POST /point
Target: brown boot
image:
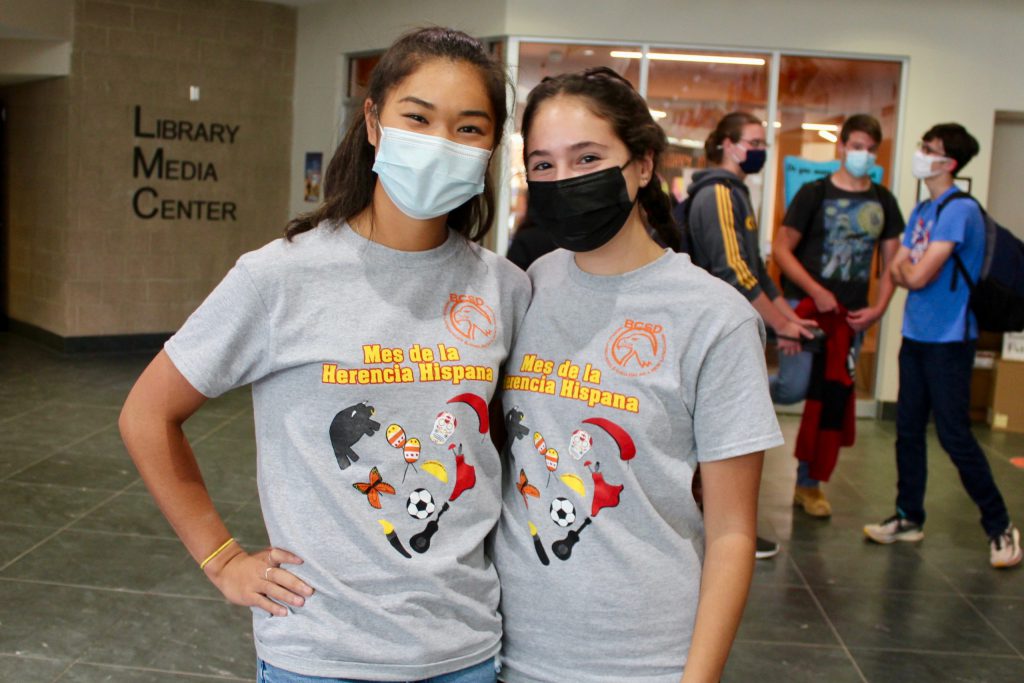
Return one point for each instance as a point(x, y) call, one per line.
point(812, 499)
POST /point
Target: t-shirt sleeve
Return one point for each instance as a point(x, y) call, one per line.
point(713, 225)
point(733, 413)
point(894, 224)
point(801, 210)
point(225, 343)
point(953, 221)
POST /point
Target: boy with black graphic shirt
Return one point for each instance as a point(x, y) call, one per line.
point(825, 248)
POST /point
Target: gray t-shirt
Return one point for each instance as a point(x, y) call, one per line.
point(616, 388)
point(371, 371)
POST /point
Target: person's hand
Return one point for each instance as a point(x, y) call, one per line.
point(790, 336)
point(825, 301)
point(863, 318)
point(258, 580)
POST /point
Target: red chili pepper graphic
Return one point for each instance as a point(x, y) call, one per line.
point(627, 449)
point(465, 475)
point(605, 495)
point(478, 405)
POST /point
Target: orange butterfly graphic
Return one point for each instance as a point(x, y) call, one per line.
point(526, 488)
point(373, 488)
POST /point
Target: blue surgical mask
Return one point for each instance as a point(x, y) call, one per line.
point(859, 162)
point(427, 176)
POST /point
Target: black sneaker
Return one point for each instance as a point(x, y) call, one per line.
point(766, 549)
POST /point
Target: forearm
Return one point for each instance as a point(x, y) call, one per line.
point(795, 271)
point(725, 583)
point(162, 454)
point(787, 312)
point(769, 311)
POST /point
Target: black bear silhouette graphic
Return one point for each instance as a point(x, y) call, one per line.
point(347, 427)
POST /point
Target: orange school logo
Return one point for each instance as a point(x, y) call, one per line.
point(637, 348)
point(470, 320)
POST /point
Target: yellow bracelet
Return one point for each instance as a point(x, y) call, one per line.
point(215, 553)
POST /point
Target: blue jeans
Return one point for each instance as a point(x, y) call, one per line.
point(790, 386)
point(936, 379)
point(484, 672)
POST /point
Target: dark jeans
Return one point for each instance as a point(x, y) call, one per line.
point(936, 379)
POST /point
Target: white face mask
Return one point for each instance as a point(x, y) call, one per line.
point(921, 166)
point(427, 176)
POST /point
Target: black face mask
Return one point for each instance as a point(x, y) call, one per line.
point(581, 213)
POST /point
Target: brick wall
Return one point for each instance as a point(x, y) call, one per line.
point(93, 250)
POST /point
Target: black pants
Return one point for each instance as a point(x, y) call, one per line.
point(936, 378)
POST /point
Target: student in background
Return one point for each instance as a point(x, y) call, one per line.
point(830, 234)
point(937, 355)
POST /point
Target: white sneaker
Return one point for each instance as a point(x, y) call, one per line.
point(894, 529)
point(1005, 549)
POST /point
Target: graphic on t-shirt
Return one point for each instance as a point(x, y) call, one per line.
point(347, 427)
point(421, 541)
point(514, 431)
point(636, 348)
point(479, 406)
point(580, 443)
point(465, 474)
point(444, 427)
point(420, 504)
point(563, 512)
point(851, 228)
point(539, 545)
point(470, 320)
point(622, 439)
point(563, 549)
point(605, 495)
point(525, 488)
point(919, 240)
point(539, 443)
point(411, 453)
point(582, 381)
point(574, 482)
point(373, 488)
point(435, 469)
point(395, 435)
point(551, 462)
point(392, 536)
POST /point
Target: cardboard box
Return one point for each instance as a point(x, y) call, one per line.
point(1013, 346)
point(1008, 397)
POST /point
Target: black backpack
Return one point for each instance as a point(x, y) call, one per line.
point(681, 213)
point(997, 298)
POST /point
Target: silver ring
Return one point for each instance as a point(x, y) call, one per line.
point(266, 573)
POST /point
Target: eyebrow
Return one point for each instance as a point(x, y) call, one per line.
point(427, 105)
point(572, 148)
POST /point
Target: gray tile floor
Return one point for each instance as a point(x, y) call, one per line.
point(95, 587)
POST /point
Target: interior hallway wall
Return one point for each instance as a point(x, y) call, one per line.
point(960, 60)
point(93, 157)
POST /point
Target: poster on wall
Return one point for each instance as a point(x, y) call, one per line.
point(314, 162)
point(798, 171)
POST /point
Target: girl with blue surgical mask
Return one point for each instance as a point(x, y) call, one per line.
point(372, 335)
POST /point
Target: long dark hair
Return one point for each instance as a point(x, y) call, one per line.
point(349, 181)
point(613, 98)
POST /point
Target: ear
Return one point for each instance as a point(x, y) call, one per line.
point(953, 165)
point(646, 167)
point(372, 132)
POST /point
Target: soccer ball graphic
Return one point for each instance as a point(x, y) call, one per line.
point(562, 512)
point(421, 504)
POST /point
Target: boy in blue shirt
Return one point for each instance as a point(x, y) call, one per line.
point(939, 336)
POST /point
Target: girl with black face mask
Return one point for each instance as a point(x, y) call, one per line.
point(631, 367)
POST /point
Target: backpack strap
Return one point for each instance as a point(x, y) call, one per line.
point(960, 269)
